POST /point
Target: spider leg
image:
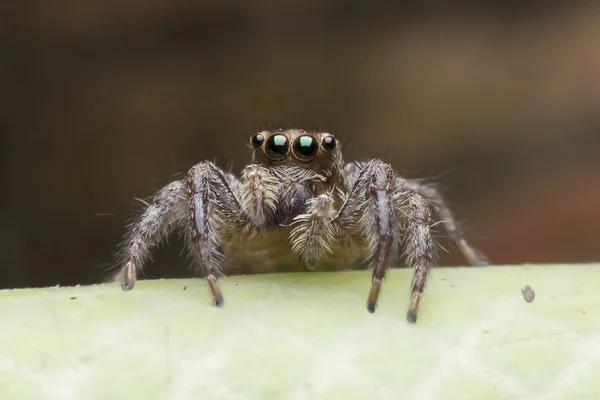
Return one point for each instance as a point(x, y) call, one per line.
point(381, 223)
point(388, 214)
point(474, 257)
point(440, 208)
point(370, 210)
point(165, 212)
point(215, 212)
point(418, 244)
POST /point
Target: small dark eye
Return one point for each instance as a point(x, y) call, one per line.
point(328, 143)
point(277, 147)
point(305, 147)
point(257, 140)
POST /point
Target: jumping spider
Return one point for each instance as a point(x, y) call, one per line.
point(299, 204)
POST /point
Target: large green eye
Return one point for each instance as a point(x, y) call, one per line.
point(305, 147)
point(277, 147)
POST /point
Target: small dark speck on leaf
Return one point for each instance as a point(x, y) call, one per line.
point(528, 293)
point(443, 279)
point(451, 285)
point(73, 297)
point(185, 287)
point(236, 284)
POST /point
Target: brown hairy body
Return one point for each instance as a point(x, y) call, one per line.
point(298, 206)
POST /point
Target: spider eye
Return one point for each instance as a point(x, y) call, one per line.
point(277, 147)
point(257, 140)
point(305, 147)
point(328, 143)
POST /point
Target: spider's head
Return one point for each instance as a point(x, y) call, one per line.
point(319, 150)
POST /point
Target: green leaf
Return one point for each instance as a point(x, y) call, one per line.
point(309, 336)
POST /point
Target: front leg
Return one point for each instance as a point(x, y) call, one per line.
point(215, 212)
point(388, 214)
point(379, 222)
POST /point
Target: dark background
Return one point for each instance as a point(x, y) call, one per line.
point(104, 101)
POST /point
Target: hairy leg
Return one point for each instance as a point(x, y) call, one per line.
point(443, 213)
point(390, 214)
point(215, 212)
point(419, 247)
point(440, 209)
point(382, 224)
point(164, 213)
point(370, 210)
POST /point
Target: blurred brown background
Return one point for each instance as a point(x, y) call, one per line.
point(104, 101)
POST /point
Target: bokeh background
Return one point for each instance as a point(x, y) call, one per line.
point(105, 101)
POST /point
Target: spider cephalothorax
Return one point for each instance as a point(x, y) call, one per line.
point(297, 206)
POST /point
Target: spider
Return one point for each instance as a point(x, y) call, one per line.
point(297, 204)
